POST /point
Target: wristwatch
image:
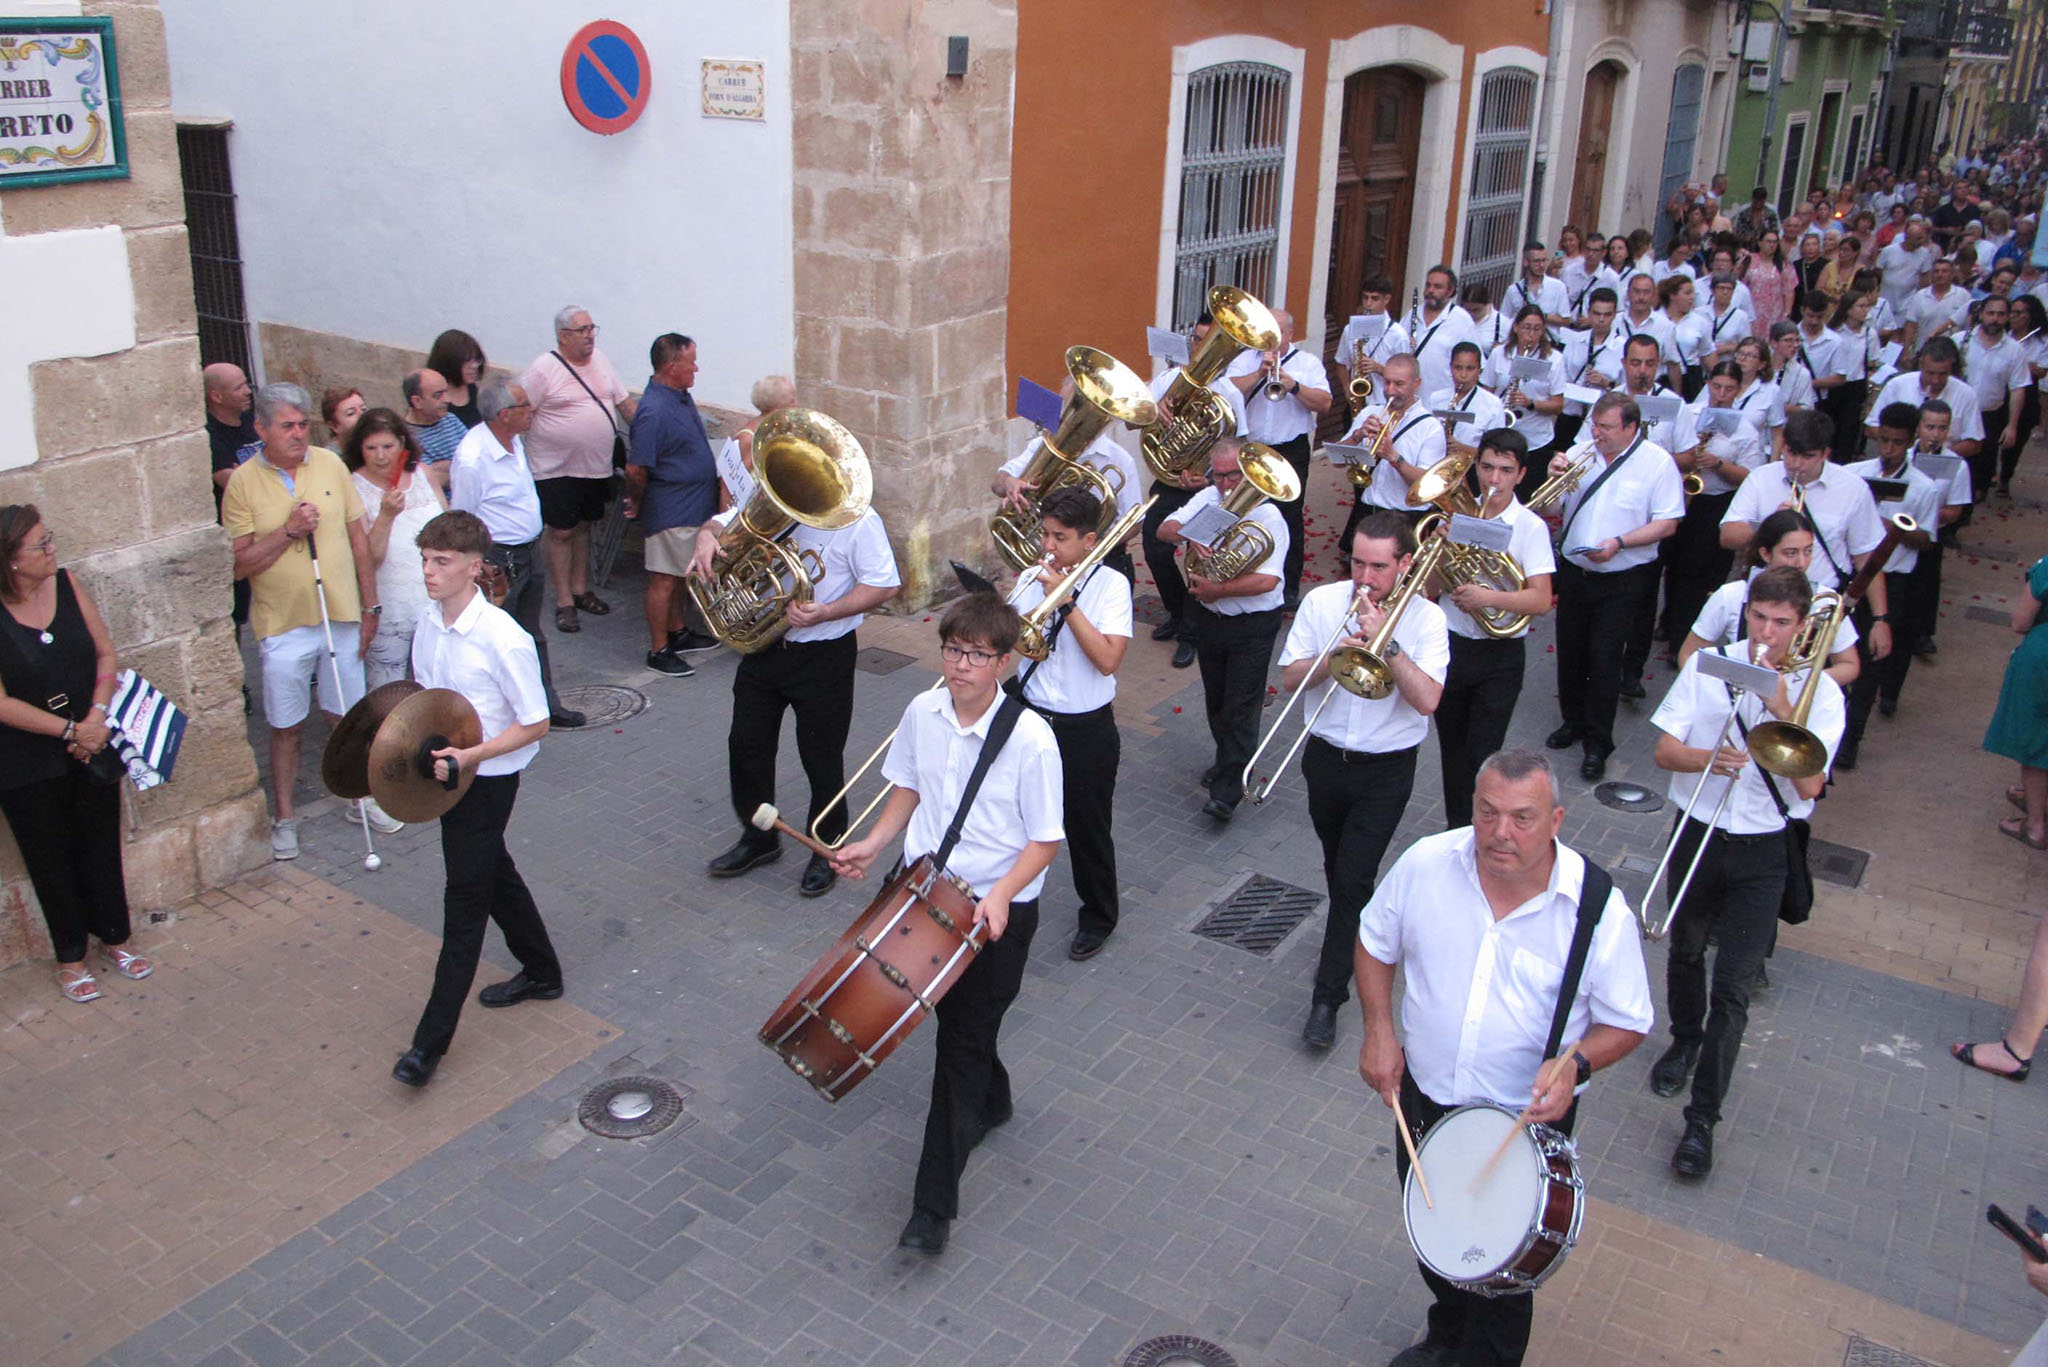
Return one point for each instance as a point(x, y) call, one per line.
point(375, 609)
point(1585, 1067)
point(1393, 651)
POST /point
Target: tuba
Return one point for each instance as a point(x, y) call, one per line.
point(1267, 475)
point(807, 470)
point(1105, 390)
point(1172, 447)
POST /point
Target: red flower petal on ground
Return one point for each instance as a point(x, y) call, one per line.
point(1176, 711)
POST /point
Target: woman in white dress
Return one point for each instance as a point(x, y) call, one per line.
point(397, 502)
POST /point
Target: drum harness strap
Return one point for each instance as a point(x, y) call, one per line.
point(1593, 894)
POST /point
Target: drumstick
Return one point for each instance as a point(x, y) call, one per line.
point(1485, 1173)
point(766, 818)
point(1408, 1143)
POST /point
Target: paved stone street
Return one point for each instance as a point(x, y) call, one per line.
point(1178, 1164)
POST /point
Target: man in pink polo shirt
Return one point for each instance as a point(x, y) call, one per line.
point(580, 413)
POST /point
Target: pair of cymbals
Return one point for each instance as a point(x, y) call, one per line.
point(384, 749)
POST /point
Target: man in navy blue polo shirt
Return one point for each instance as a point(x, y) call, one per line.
point(672, 479)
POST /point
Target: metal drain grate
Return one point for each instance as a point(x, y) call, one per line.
point(1178, 1350)
point(1978, 612)
point(1863, 1353)
point(875, 660)
point(1832, 863)
point(603, 704)
point(1259, 915)
point(629, 1107)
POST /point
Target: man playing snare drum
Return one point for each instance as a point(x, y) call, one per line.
point(1482, 919)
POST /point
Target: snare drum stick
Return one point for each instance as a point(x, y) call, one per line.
point(1414, 1159)
point(766, 818)
point(1485, 1173)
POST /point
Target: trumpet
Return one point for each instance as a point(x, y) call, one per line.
point(1267, 475)
point(1034, 641)
point(1276, 388)
point(1172, 446)
point(1361, 386)
point(1361, 474)
point(1105, 391)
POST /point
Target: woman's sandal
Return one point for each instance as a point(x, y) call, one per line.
point(128, 965)
point(78, 984)
point(2016, 827)
point(1966, 1054)
point(2017, 797)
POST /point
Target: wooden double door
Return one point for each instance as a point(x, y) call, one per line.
point(1378, 144)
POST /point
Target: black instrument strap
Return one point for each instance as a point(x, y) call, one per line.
point(1564, 533)
point(1593, 895)
point(1007, 712)
point(1770, 783)
point(1593, 351)
point(603, 407)
point(1424, 343)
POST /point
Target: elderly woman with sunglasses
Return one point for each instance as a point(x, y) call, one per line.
point(56, 676)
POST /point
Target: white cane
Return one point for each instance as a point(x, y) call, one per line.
point(371, 860)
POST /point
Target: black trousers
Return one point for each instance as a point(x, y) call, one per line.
point(1640, 631)
point(1120, 561)
point(1296, 452)
point(483, 886)
point(1884, 678)
point(814, 679)
point(1234, 654)
point(1090, 748)
point(526, 597)
point(1472, 717)
point(1355, 801)
point(1163, 560)
point(1475, 1330)
point(1844, 404)
point(970, 1086)
point(1984, 464)
point(69, 831)
point(1733, 901)
point(1595, 613)
point(1925, 587)
point(1694, 564)
point(2030, 418)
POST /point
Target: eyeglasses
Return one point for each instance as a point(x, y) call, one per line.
point(46, 544)
point(587, 330)
point(980, 659)
point(1218, 476)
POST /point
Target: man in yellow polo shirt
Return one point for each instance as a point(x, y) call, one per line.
point(274, 502)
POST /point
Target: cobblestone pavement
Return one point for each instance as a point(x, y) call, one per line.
point(1178, 1163)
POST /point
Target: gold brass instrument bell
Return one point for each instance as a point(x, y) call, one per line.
point(1787, 748)
point(1443, 485)
point(1105, 391)
point(1267, 475)
point(1360, 387)
point(1034, 640)
point(1173, 446)
point(808, 470)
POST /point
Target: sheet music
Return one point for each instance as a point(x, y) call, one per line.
point(1583, 393)
point(1167, 346)
point(1208, 526)
point(1659, 407)
point(1368, 330)
point(1739, 673)
point(1459, 416)
point(1529, 367)
point(1487, 533)
point(1726, 422)
point(1340, 454)
point(733, 473)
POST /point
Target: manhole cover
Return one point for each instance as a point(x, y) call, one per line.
point(1863, 1353)
point(1259, 915)
point(1832, 863)
point(1978, 612)
point(1628, 797)
point(629, 1107)
point(1178, 1350)
point(875, 660)
point(603, 704)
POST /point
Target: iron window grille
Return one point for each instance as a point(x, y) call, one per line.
point(1233, 160)
point(1500, 169)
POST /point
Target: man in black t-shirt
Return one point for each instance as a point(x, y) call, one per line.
point(1952, 213)
point(228, 430)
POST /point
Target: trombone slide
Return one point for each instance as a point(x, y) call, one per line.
point(1662, 926)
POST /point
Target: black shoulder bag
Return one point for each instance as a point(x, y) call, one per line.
point(1797, 903)
point(618, 437)
point(1593, 896)
point(999, 729)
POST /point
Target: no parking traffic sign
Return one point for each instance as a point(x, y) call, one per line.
point(605, 77)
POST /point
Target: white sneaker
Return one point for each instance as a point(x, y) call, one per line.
point(284, 838)
point(380, 820)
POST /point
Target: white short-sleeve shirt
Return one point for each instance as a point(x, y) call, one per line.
point(1116, 465)
point(1822, 355)
point(1657, 325)
point(487, 479)
point(489, 659)
point(1549, 295)
point(1390, 343)
point(933, 756)
point(1647, 488)
point(1731, 326)
point(1721, 623)
point(1274, 421)
point(1929, 312)
point(1922, 503)
point(1583, 356)
point(1839, 505)
point(1418, 438)
point(859, 554)
point(1529, 544)
point(1965, 423)
point(1995, 371)
point(1275, 564)
point(1373, 725)
point(1748, 447)
point(1695, 710)
point(1691, 338)
point(1432, 343)
point(1537, 428)
point(1487, 413)
point(1068, 681)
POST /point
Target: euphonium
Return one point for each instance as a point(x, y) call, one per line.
point(1172, 447)
point(1787, 748)
point(1361, 386)
point(1267, 475)
point(809, 470)
point(1034, 640)
point(1105, 390)
point(1443, 484)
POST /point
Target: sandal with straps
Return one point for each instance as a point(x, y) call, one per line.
point(2017, 797)
point(78, 984)
point(1966, 1054)
point(128, 965)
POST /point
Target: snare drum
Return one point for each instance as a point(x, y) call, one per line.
point(1504, 1235)
point(884, 975)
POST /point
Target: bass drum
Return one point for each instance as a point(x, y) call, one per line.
point(1500, 1226)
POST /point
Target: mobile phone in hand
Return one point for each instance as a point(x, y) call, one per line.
point(2011, 1229)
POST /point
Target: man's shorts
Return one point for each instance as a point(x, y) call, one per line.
point(669, 551)
point(567, 501)
point(290, 663)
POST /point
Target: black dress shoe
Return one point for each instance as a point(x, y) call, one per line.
point(567, 719)
point(1321, 1030)
point(1633, 688)
point(1845, 753)
point(516, 989)
point(1087, 944)
point(1593, 767)
point(1563, 738)
point(1183, 654)
point(924, 1233)
point(1669, 1072)
point(1887, 706)
point(818, 877)
point(1216, 809)
point(1694, 1156)
point(415, 1066)
point(1423, 1354)
point(749, 853)
point(1166, 630)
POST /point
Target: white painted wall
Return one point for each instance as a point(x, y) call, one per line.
point(404, 168)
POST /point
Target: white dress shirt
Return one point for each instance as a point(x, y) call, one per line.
point(1480, 992)
point(1959, 493)
point(1731, 326)
point(1539, 429)
point(1857, 353)
point(1371, 725)
point(1418, 439)
point(1583, 356)
point(1547, 294)
point(1721, 622)
point(1274, 421)
point(1068, 681)
point(1922, 503)
point(1489, 331)
point(1390, 343)
point(1647, 488)
point(1837, 503)
point(1966, 421)
point(1220, 386)
point(1822, 355)
point(1432, 343)
point(1267, 516)
point(1690, 338)
point(1529, 544)
point(1577, 278)
point(1693, 713)
point(1928, 311)
point(858, 554)
point(489, 659)
point(1487, 413)
point(1902, 270)
point(933, 756)
point(1748, 447)
point(492, 482)
point(1759, 400)
point(1116, 465)
point(1656, 325)
point(1995, 371)
point(1795, 388)
point(1664, 270)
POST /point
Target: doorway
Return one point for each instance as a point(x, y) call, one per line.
point(1596, 119)
point(1378, 144)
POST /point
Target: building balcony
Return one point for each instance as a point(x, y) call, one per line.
point(1957, 25)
